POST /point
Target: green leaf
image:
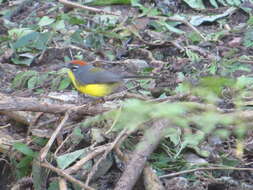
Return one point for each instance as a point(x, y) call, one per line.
point(32, 82)
point(24, 149)
point(214, 3)
point(135, 3)
point(25, 162)
point(75, 20)
point(108, 2)
point(76, 37)
point(199, 19)
point(45, 20)
point(64, 83)
point(54, 185)
point(195, 4)
point(248, 38)
point(174, 135)
point(41, 41)
point(25, 40)
point(21, 78)
point(172, 28)
point(16, 33)
point(243, 81)
point(222, 2)
point(20, 61)
point(59, 25)
point(65, 160)
point(230, 162)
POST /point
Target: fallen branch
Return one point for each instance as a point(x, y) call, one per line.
point(151, 180)
point(8, 103)
point(109, 149)
point(149, 142)
point(79, 164)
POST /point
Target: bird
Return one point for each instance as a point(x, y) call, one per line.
point(95, 81)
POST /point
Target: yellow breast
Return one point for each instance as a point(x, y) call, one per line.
point(98, 90)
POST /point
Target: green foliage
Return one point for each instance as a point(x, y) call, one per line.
point(108, 2)
point(33, 79)
point(33, 40)
point(248, 38)
point(65, 160)
point(24, 149)
point(194, 37)
point(161, 161)
point(23, 167)
point(54, 185)
point(198, 4)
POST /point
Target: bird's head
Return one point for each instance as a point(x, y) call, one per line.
point(75, 64)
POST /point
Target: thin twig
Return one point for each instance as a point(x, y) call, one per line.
point(92, 9)
point(44, 151)
point(109, 149)
point(62, 184)
point(200, 169)
point(90, 156)
point(65, 175)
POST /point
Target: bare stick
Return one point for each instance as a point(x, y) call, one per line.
point(200, 169)
point(92, 9)
point(149, 142)
point(151, 180)
point(109, 149)
point(44, 151)
point(90, 156)
point(63, 184)
point(8, 103)
point(66, 176)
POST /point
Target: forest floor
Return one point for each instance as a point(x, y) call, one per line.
point(187, 127)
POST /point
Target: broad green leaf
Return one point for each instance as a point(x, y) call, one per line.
point(24, 149)
point(25, 162)
point(195, 4)
point(172, 28)
point(135, 3)
point(214, 3)
point(174, 135)
point(45, 20)
point(228, 161)
point(248, 38)
point(234, 2)
point(21, 61)
point(26, 40)
point(75, 20)
point(17, 33)
point(222, 2)
point(32, 82)
point(22, 77)
point(107, 2)
point(55, 82)
point(243, 81)
point(54, 185)
point(64, 83)
point(65, 160)
point(199, 19)
point(41, 41)
point(59, 25)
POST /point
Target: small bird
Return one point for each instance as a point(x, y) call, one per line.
point(94, 81)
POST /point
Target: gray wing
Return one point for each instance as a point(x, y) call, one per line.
point(92, 75)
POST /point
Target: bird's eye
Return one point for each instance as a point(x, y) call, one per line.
point(74, 67)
